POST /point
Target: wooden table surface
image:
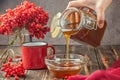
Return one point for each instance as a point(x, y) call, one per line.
point(99, 58)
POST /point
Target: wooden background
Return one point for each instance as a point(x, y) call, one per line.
point(111, 36)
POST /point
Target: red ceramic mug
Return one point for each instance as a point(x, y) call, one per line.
point(33, 54)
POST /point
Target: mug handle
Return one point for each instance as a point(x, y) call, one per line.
point(53, 49)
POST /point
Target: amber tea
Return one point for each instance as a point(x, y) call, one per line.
point(59, 66)
point(65, 71)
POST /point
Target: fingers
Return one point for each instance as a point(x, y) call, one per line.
point(100, 9)
point(100, 18)
point(76, 3)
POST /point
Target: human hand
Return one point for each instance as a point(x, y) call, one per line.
point(98, 5)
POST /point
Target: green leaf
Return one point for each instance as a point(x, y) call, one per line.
point(13, 40)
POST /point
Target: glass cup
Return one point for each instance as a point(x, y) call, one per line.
point(60, 67)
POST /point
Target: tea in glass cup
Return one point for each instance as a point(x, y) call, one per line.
point(60, 67)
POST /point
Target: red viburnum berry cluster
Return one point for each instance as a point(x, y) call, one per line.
point(26, 15)
point(15, 70)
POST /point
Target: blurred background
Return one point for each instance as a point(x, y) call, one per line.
point(112, 15)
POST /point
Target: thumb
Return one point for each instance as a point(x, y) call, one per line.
point(100, 18)
point(76, 3)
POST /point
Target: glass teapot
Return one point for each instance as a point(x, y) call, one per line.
point(82, 21)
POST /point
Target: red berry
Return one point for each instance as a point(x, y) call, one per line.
point(17, 56)
point(10, 60)
point(16, 77)
point(13, 69)
point(3, 68)
point(4, 65)
point(13, 72)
